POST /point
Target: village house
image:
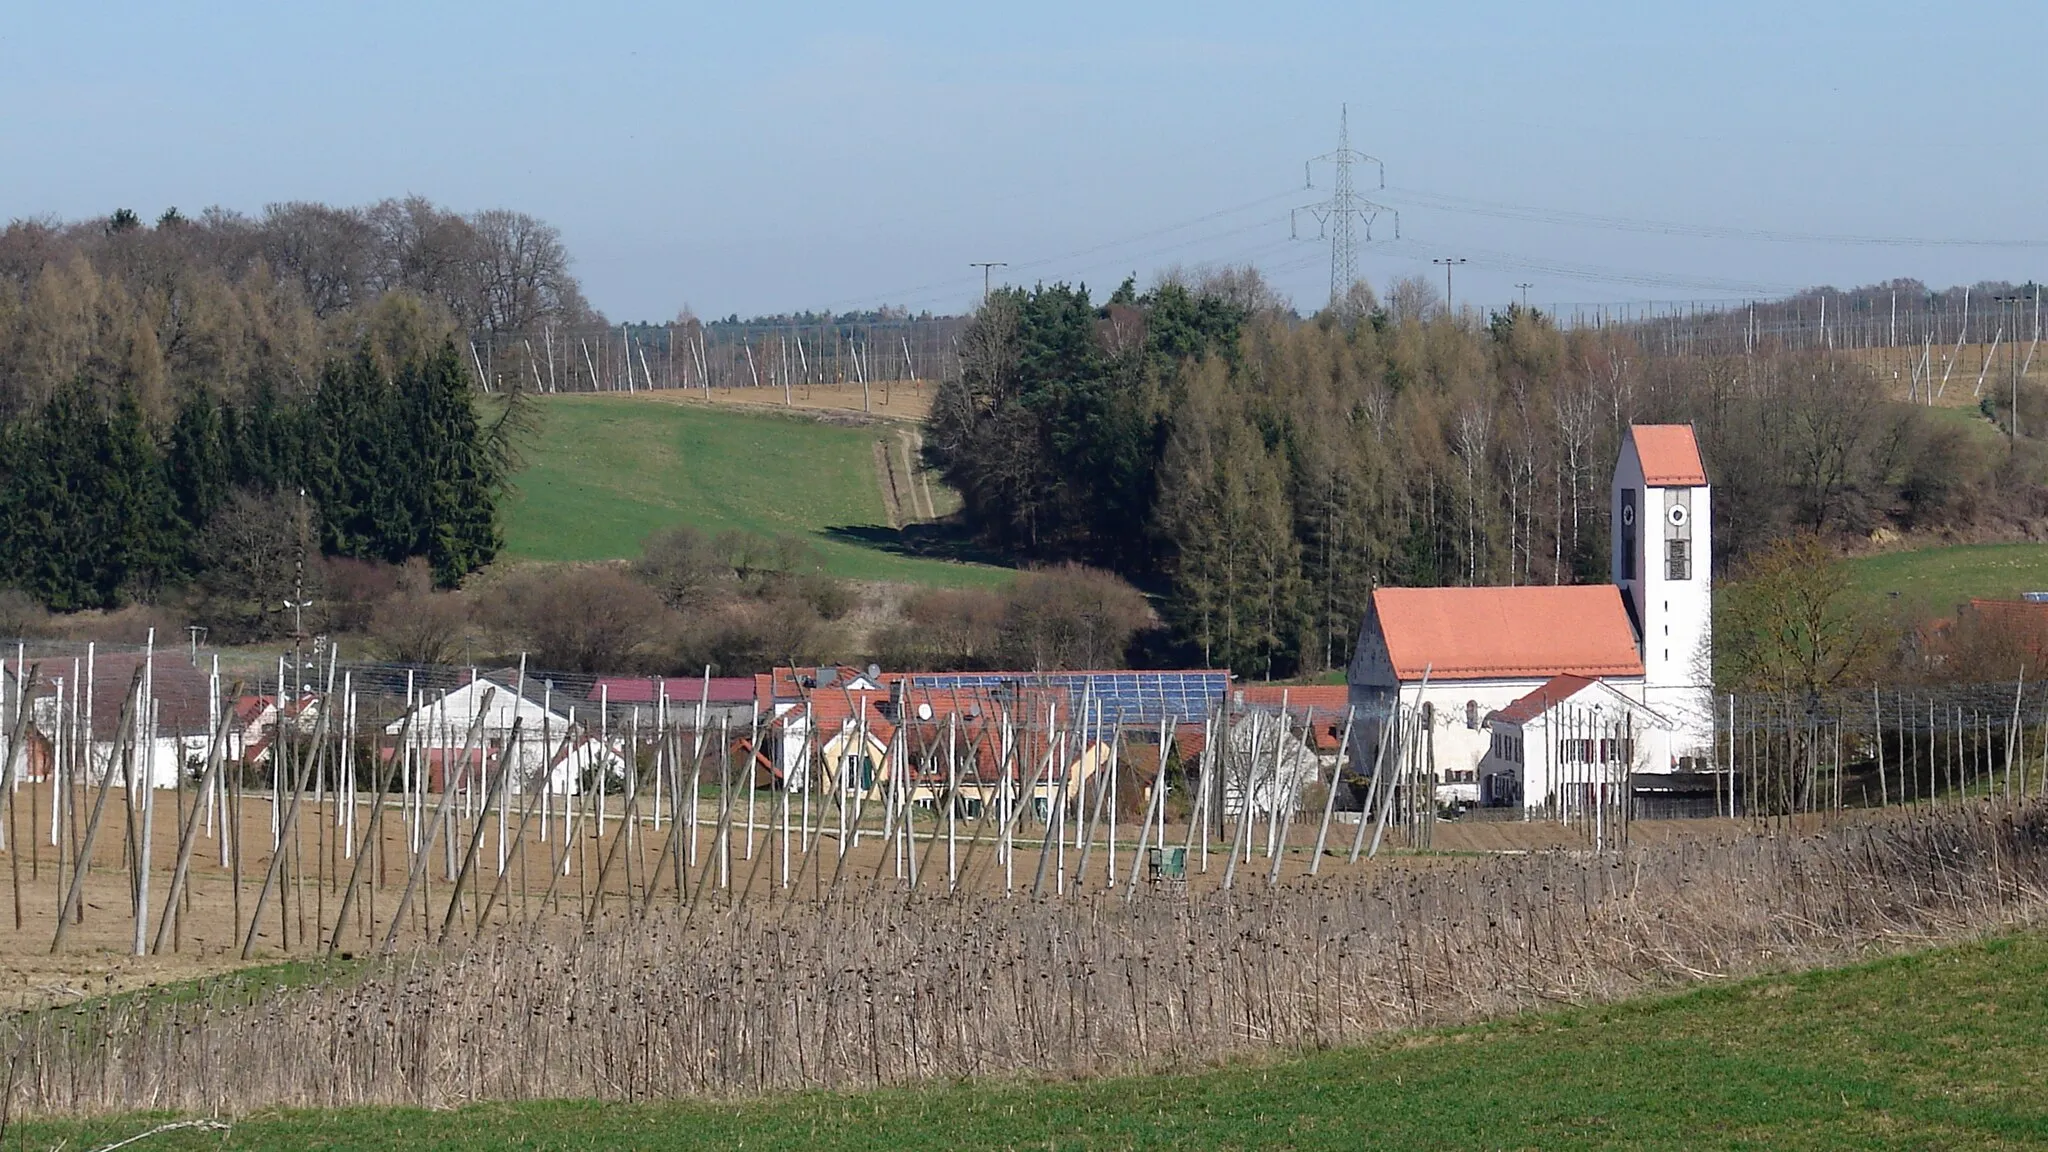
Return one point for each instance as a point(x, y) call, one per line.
point(169, 733)
point(1569, 741)
point(867, 731)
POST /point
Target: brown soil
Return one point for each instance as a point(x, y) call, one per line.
point(301, 911)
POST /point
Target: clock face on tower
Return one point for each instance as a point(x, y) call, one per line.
point(1628, 515)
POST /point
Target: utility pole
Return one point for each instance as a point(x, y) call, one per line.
point(1449, 262)
point(1335, 218)
point(1524, 287)
point(985, 265)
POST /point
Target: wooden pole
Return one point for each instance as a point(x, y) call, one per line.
point(187, 838)
point(493, 795)
point(287, 838)
point(81, 861)
point(1315, 862)
point(25, 690)
point(370, 835)
point(424, 857)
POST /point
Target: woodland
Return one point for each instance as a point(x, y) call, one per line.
point(1261, 473)
point(249, 422)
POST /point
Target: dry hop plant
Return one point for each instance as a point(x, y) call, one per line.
point(882, 987)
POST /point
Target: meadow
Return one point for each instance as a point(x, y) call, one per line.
point(1932, 581)
point(604, 472)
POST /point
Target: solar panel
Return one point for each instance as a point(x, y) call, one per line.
point(1127, 697)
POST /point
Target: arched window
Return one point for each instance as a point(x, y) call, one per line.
point(1472, 715)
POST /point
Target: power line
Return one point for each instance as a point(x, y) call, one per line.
point(1444, 202)
point(1335, 217)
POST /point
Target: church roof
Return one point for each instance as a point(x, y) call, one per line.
point(1507, 633)
point(1669, 455)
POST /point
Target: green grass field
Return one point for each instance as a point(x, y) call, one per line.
point(1932, 581)
point(1942, 1049)
point(605, 472)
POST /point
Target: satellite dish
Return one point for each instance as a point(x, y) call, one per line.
point(924, 712)
point(1676, 515)
point(874, 671)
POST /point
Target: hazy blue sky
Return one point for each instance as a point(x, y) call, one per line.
point(759, 157)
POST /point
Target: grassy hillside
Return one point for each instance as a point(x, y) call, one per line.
point(1943, 1049)
point(1932, 581)
point(605, 472)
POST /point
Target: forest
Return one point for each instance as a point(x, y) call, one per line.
point(1193, 473)
point(1261, 473)
point(189, 409)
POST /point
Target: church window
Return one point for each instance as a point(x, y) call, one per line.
point(1678, 560)
point(1472, 715)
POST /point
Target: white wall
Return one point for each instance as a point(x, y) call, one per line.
point(1676, 617)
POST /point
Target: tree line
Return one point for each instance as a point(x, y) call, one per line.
point(224, 301)
point(1260, 474)
point(228, 501)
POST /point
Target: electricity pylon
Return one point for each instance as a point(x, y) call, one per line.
point(1337, 217)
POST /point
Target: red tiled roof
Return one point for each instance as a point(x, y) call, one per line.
point(1506, 633)
point(1299, 697)
point(1669, 455)
point(1554, 691)
point(641, 690)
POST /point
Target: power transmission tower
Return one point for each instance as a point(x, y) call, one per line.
point(1337, 217)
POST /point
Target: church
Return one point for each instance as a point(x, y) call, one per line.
point(1487, 667)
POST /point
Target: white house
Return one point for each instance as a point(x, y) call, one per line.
point(1564, 743)
point(553, 740)
point(168, 730)
point(1457, 655)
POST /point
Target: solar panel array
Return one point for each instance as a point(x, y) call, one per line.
point(1129, 697)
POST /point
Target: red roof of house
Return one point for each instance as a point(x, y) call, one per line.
point(1506, 633)
point(680, 691)
point(1320, 707)
point(1669, 454)
point(2024, 622)
point(1299, 697)
point(1554, 691)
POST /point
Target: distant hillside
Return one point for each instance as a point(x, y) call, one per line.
point(603, 472)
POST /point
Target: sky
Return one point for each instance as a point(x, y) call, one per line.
point(770, 157)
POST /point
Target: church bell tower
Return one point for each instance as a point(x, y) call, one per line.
point(1662, 535)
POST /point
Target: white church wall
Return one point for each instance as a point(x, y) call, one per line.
point(1675, 616)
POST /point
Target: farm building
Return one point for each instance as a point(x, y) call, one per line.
point(555, 743)
point(727, 700)
point(170, 732)
point(1567, 739)
point(1456, 656)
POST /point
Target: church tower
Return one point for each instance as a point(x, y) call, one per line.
point(1662, 534)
